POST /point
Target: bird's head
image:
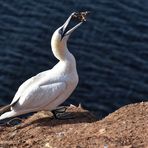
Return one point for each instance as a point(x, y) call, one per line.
point(61, 35)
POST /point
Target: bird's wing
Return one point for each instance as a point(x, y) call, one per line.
point(40, 96)
point(25, 85)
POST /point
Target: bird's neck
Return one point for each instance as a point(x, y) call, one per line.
point(65, 58)
point(66, 64)
point(64, 55)
point(61, 51)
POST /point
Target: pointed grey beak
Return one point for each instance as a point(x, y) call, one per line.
point(63, 28)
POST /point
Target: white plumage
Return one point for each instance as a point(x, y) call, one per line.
point(50, 88)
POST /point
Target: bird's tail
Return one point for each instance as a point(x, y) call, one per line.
point(8, 114)
point(5, 109)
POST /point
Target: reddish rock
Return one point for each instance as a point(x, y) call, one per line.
point(125, 128)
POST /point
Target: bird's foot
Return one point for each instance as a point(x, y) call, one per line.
point(14, 121)
point(11, 122)
point(61, 114)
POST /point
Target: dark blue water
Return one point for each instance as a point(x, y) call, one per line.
point(111, 48)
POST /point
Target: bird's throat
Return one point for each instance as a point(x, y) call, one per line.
point(60, 51)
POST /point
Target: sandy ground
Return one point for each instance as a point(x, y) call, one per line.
point(125, 128)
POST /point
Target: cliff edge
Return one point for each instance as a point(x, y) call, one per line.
point(124, 128)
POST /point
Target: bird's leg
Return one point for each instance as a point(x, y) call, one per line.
point(60, 113)
point(14, 121)
point(3, 123)
point(11, 122)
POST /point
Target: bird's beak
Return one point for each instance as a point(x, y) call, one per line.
point(65, 25)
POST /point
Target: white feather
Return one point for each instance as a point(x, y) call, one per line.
point(50, 88)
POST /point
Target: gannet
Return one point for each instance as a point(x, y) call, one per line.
point(48, 89)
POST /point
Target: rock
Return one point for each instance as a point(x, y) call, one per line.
point(125, 128)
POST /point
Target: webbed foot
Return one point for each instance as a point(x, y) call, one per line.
point(61, 114)
point(11, 122)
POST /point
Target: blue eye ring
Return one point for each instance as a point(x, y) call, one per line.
point(61, 31)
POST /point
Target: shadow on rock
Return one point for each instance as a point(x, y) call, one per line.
point(45, 118)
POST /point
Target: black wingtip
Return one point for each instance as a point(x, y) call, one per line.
point(5, 109)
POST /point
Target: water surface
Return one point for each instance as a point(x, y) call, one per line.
point(111, 49)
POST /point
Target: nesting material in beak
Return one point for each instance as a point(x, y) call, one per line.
point(79, 16)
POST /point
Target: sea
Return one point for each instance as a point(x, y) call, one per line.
point(111, 49)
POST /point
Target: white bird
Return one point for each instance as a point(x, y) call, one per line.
point(48, 89)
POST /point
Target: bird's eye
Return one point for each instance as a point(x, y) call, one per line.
point(61, 31)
